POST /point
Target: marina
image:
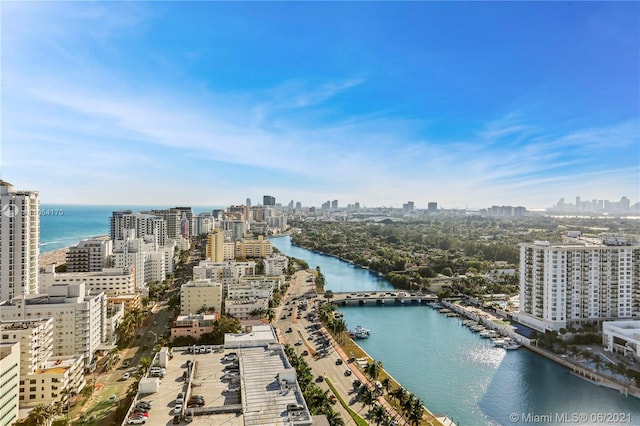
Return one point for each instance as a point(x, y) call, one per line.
point(454, 370)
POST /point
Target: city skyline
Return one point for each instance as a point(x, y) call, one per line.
point(473, 104)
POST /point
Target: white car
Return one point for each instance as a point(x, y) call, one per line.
point(231, 389)
point(177, 409)
point(126, 376)
point(138, 420)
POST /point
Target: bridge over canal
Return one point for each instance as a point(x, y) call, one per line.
point(381, 297)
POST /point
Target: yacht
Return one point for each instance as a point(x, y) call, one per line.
point(511, 344)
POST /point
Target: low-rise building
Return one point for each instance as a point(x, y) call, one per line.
point(35, 338)
point(193, 325)
point(250, 290)
point(276, 264)
point(48, 383)
point(246, 308)
point(622, 337)
point(199, 295)
point(131, 301)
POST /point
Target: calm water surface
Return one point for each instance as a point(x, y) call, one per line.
point(455, 371)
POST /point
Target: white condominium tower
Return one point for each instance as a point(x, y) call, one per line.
point(567, 284)
point(19, 241)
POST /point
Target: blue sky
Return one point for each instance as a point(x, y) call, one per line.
point(208, 103)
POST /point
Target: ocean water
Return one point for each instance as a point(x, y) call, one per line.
point(64, 225)
point(454, 371)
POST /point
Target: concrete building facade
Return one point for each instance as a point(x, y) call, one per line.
point(19, 241)
point(568, 284)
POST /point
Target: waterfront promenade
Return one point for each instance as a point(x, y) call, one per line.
point(327, 364)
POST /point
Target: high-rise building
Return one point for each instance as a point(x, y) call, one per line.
point(432, 207)
point(19, 241)
point(79, 317)
point(268, 200)
point(566, 284)
point(334, 204)
point(89, 255)
point(248, 203)
point(188, 212)
point(200, 294)
point(185, 226)
point(215, 249)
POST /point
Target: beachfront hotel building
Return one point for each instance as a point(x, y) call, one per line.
point(564, 285)
point(215, 246)
point(19, 241)
point(79, 325)
point(9, 380)
point(35, 338)
point(90, 255)
point(199, 294)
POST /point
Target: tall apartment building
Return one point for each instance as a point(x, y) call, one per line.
point(172, 219)
point(199, 294)
point(19, 241)
point(129, 251)
point(151, 226)
point(567, 284)
point(89, 255)
point(268, 200)
point(188, 213)
point(215, 241)
point(9, 379)
point(79, 317)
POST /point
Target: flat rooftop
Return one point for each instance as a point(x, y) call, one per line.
point(261, 399)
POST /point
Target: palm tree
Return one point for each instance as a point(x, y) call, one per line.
point(334, 418)
point(43, 415)
point(367, 397)
point(373, 369)
point(378, 414)
point(145, 363)
point(399, 394)
point(66, 394)
point(386, 383)
point(416, 412)
point(407, 403)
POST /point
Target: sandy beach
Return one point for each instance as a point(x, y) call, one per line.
point(57, 256)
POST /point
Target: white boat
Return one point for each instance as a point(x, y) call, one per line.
point(488, 333)
point(511, 344)
point(361, 329)
point(499, 341)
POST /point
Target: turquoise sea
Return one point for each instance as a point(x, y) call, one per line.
point(64, 225)
point(455, 371)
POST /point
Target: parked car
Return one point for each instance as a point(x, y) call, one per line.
point(305, 352)
point(231, 389)
point(347, 372)
point(140, 420)
point(176, 419)
point(319, 379)
point(339, 361)
point(126, 376)
point(177, 410)
point(189, 416)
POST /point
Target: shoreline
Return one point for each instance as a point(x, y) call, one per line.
point(593, 377)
